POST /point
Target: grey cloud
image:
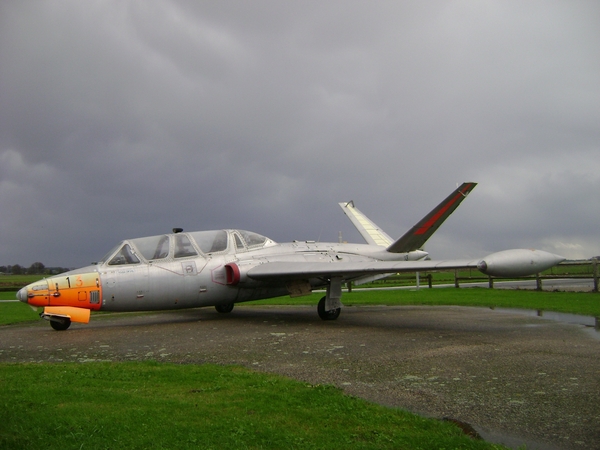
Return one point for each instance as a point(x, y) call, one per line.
point(123, 119)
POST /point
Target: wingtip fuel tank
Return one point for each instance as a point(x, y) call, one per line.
point(518, 263)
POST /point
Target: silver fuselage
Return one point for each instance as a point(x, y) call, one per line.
point(173, 282)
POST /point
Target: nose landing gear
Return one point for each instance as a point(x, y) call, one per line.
point(60, 325)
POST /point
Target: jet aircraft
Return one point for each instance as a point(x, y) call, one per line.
point(222, 267)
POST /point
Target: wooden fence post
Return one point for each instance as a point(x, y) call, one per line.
point(538, 282)
point(595, 266)
point(456, 278)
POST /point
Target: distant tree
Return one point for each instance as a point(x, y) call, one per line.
point(16, 270)
point(36, 268)
point(3, 269)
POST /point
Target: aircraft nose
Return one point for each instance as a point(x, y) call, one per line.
point(22, 295)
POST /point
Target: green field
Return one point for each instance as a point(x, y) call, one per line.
point(16, 282)
point(157, 405)
point(585, 303)
point(16, 312)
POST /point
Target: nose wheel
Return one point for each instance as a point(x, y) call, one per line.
point(61, 325)
point(327, 315)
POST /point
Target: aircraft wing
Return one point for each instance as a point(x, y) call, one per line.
point(350, 270)
point(507, 263)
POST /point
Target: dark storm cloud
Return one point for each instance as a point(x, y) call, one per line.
point(122, 119)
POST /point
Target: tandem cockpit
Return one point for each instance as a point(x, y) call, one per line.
point(184, 245)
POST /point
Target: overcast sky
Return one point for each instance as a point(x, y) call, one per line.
point(121, 119)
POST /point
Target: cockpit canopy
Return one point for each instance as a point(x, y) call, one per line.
point(183, 245)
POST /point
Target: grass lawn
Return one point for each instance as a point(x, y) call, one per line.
point(15, 312)
point(159, 405)
point(585, 303)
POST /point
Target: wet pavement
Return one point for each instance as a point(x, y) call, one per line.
point(516, 378)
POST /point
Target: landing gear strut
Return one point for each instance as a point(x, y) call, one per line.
point(225, 308)
point(330, 306)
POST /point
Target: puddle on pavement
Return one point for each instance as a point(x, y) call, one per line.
point(514, 442)
point(590, 322)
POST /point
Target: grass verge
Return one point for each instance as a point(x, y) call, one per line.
point(15, 312)
point(585, 303)
point(152, 405)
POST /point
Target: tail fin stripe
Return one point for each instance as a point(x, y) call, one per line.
point(426, 226)
point(414, 238)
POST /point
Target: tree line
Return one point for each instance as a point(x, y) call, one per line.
point(37, 268)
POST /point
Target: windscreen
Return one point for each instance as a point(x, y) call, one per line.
point(153, 247)
point(123, 257)
point(210, 241)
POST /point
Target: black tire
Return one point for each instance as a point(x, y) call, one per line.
point(225, 308)
point(60, 325)
point(327, 315)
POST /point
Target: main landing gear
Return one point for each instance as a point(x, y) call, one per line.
point(327, 315)
point(224, 308)
point(330, 306)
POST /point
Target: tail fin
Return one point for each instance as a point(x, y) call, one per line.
point(366, 227)
point(418, 235)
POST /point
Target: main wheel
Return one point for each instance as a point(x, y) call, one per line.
point(327, 315)
point(225, 308)
point(60, 325)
